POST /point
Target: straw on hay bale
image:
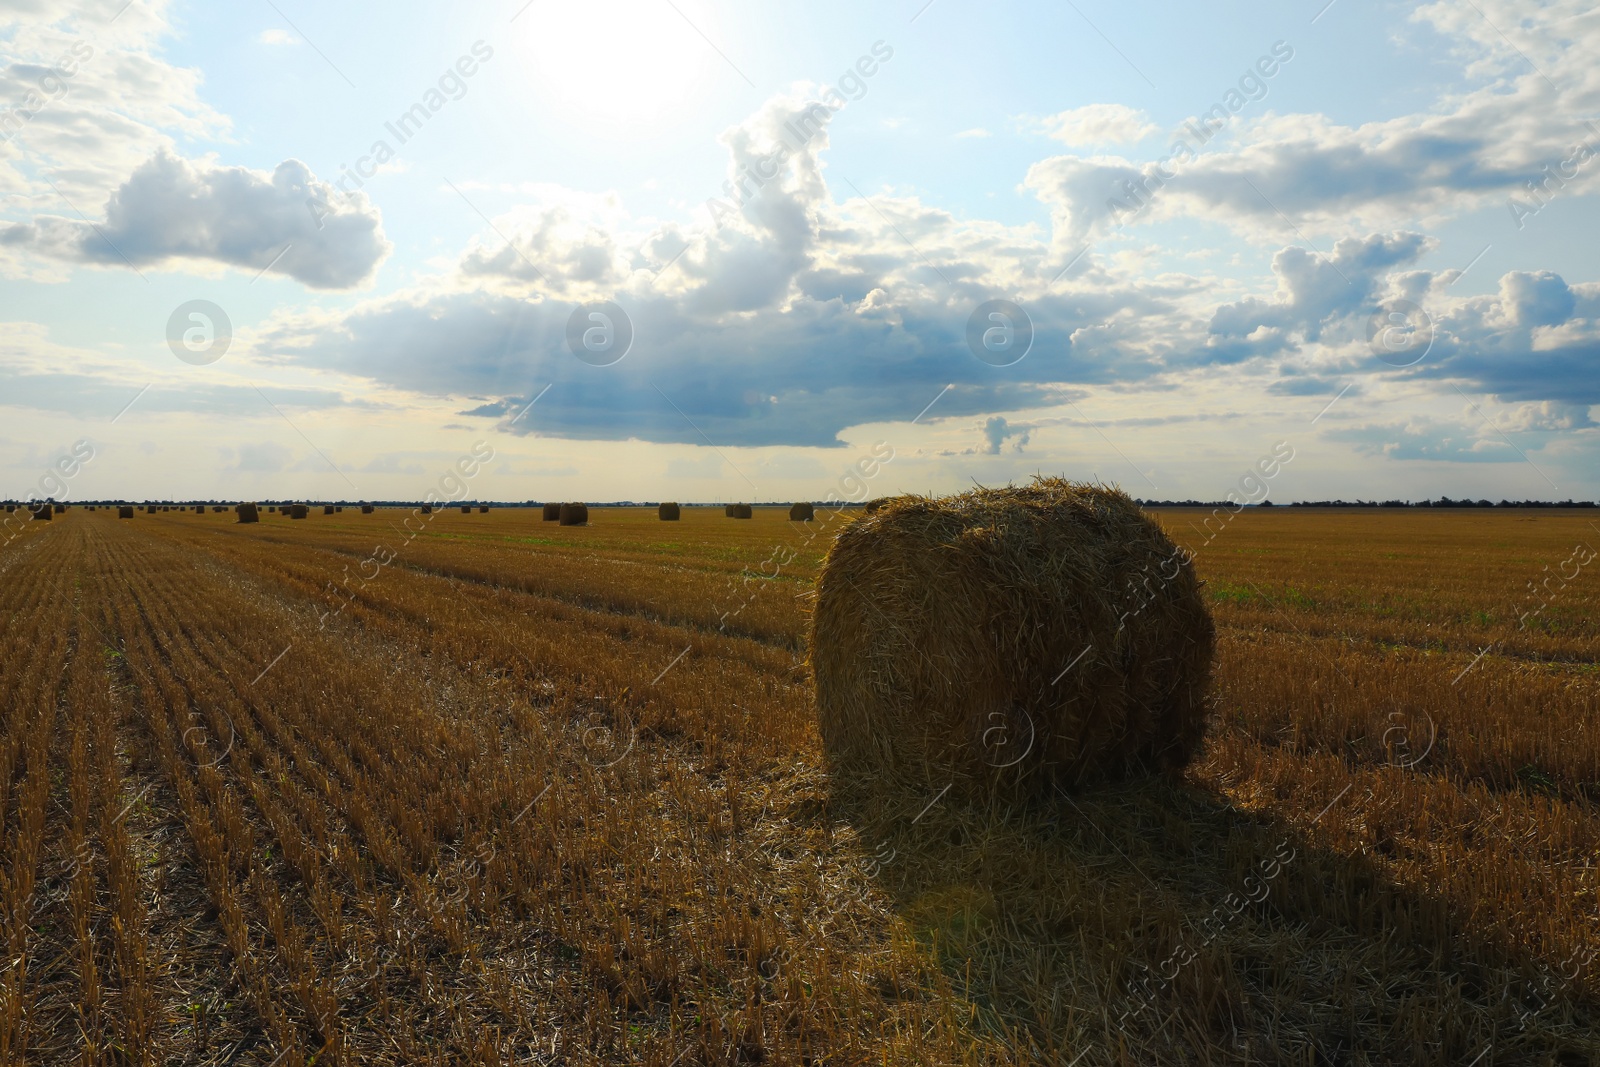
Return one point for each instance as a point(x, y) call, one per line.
point(801, 512)
point(298, 511)
point(739, 511)
point(552, 512)
point(1010, 639)
point(669, 512)
point(124, 511)
point(249, 513)
point(366, 509)
point(574, 515)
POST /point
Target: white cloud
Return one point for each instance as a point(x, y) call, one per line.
point(174, 210)
point(1098, 124)
point(976, 131)
point(277, 37)
point(87, 98)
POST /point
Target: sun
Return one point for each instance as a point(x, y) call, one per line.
point(620, 63)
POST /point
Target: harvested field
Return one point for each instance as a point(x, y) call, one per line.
point(505, 791)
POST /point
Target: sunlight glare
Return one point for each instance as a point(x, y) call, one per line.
point(617, 63)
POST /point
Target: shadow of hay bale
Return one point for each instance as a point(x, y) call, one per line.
point(1153, 922)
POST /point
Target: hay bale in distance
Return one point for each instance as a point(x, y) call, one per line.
point(1010, 639)
point(801, 512)
point(298, 511)
point(124, 511)
point(59, 508)
point(727, 510)
point(249, 513)
point(668, 512)
point(483, 509)
point(151, 508)
point(426, 509)
point(327, 509)
point(552, 512)
point(574, 515)
point(366, 509)
point(466, 509)
point(43, 513)
point(740, 511)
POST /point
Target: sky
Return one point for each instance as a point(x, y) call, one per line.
point(700, 250)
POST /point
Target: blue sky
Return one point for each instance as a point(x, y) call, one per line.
point(1224, 228)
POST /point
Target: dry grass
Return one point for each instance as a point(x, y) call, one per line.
point(547, 795)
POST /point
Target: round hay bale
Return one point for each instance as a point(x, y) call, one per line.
point(552, 512)
point(668, 512)
point(483, 509)
point(1010, 639)
point(199, 509)
point(59, 508)
point(574, 515)
point(739, 511)
point(339, 508)
point(801, 512)
point(249, 513)
point(125, 511)
point(150, 508)
point(366, 509)
point(298, 511)
point(426, 509)
point(466, 509)
point(327, 509)
point(43, 513)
